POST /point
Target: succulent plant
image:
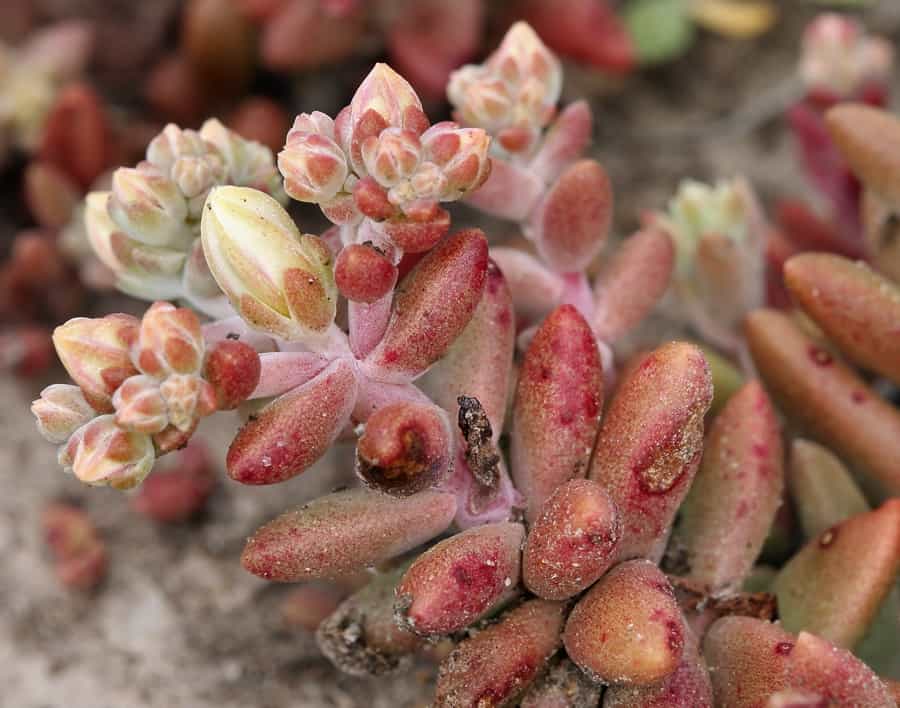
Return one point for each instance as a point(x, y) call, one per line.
point(568, 521)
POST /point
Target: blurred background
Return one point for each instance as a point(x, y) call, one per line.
point(160, 612)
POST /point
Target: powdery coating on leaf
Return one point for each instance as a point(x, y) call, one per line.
point(505, 179)
point(361, 637)
point(459, 579)
point(405, 448)
point(233, 370)
point(651, 441)
point(836, 583)
point(572, 542)
point(479, 362)
point(835, 674)
point(343, 532)
point(628, 629)
point(632, 282)
point(564, 141)
point(737, 490)
point(556, 413)
point(857, 309)
point(492, 667)
point(95, 352)
point(823, 491)
point(869, 140)
point(563, 686)
point(535, 290)
point(825, 396)
point(295, 430)
point(688, 686)
point(433, 304)
point(794, 698)
point(363, 274)
point(748, 661)
point(573, 220)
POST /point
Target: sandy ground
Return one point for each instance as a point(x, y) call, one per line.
point(178, 622)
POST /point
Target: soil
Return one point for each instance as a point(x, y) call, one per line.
point(177, 622)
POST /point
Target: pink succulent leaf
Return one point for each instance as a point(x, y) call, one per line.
point(283, 371)
point(344, 532)
point(375, 395)
point(535, 289)
point(296, 429)
point(572, 221)
point(632, 283)
point(556, 414)
point(565, 142)
point(368, 322)
point(479, 363)
point(433, 305)
point(505, 179)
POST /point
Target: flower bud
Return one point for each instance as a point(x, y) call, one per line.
point(392, 156)
point(140, 406)
point(188, 398)
point(247, 163)
point(101, 453)
point(149, 207)
point(60, 411)
point(280, 281)
point(169, 341)
point(233, 370)
point(313, 164)
point(96, 353)
point(140, 270)
point(193, 164)
point(462, 156)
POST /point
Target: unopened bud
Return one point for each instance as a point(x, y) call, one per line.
point(280, 281)
point(247, 163)
point(149, 207)
point(313, 164)
point(169, 341)
point(188, 398)
point(96, 353)
point(101, 453)
point(60, 411)
point(140, 406)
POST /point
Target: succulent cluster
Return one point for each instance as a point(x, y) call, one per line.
point(568, 519)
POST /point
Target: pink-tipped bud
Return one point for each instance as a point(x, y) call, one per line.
point(461, 154)
point(632, 282)
point(180, 491)
point(295, 430)
point(835, 584)
point(140, 406)
point(458, 580)
point(169, 341)
point(628, 629)
point(188, 398)
point(233, 370)
point(344, 532)
point(96, 353)
point(280, 281)
point(78, 550)
point(573, 220)
point(313, 164)
point(573, 541)
point(736, 493)
point(392, 156)
point(101, 453)
point(495, 665)
point(363, 274)
point(361, 637)
point(434, 303)
point(651, 441)
point(556, 413)
point(60, 411)
point(405, 448)
point(149, 207)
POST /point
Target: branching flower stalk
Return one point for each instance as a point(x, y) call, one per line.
point(593, 539)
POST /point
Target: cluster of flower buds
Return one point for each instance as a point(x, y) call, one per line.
point(32, 75)
point(563, 203)
point(140, 389)
point(378, 171)
point(839, 62)
point(720, 233)
point(146, 228)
